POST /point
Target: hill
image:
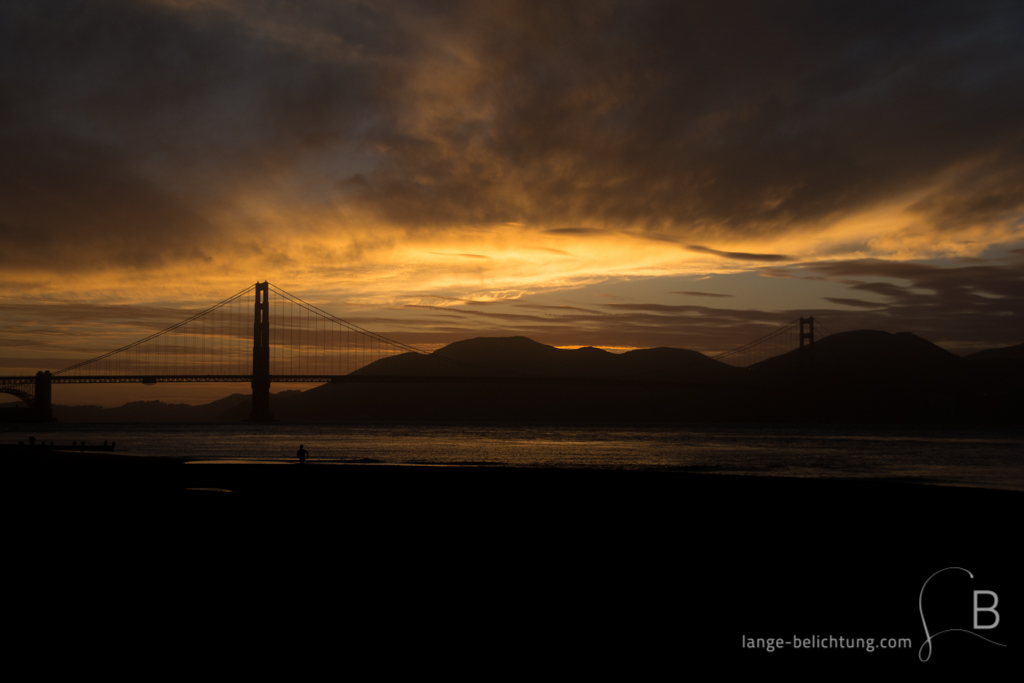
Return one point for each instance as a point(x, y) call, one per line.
point(864, 358)
point(859, 376)
point(233, 408)
point(1004, 353)
point(524, 358)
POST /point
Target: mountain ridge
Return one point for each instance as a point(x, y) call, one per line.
point(861, 375)
point(524, 357)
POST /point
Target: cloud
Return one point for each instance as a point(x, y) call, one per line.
point(675, 120)
point(968, 281)
point(711, 294)
point(72, 206)
point(856, 303)
point(576, 231)
point(160, 144)
point(129, 131)
point(671, 118)
point(960, 307)
point(740, 256)
point(974, 304)
point(548, 307)
point(990, 191)
point(438, 253)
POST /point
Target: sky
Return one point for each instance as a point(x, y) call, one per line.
point(615, 174)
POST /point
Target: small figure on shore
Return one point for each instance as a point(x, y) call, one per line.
point(31, 441)
point(302, 455)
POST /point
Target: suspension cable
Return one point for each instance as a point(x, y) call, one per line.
point(157, 334)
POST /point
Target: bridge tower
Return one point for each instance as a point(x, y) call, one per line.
point(808, 333)
point(42, 407)
point(806, 342)
point(261, 356)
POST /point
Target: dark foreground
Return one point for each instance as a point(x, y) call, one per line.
point(144, 565)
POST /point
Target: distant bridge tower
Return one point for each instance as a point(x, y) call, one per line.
point(806, 334)
point(42, 408)
point(261, 356)
point(806, 342)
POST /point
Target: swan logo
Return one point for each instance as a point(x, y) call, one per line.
point(980, 624)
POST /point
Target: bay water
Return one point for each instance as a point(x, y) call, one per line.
point(977, 456)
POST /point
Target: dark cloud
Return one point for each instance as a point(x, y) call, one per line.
point(153, 318)
point(491, 315)
point(748, 117)
point(472, 302)
point(976, 304)
point(548, 307)
point(439, 253)
point(83, 330)
point(702, 312)
point(961, 308)
point(124, 125)
point(128, 128)
point(711, 330)
point(72, 206)
point(991, 191)
point(738, 255)
point(703, 294)
point(856, 303)
point(970, 281)
point(644, 325)
point(576, 231)
point(678, 119)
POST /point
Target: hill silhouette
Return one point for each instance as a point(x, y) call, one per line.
point(532, 382)
point(874, 376)
point(867, 358)
point(1004, 353)
point(525, 358)
point(858, 376)
point(1001, 368)
point(233, 408)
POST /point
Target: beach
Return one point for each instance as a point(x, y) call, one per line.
point(504, 560)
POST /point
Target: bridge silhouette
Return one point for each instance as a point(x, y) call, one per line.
point(294, 341)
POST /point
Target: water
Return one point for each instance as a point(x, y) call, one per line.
point(985, 456)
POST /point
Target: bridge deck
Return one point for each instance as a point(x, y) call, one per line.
point(321, 379)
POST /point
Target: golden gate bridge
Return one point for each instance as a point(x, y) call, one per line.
point(263, 335)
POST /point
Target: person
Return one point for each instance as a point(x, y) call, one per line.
point(302, 455)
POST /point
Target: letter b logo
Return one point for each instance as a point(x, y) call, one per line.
point(991, 608)
point(928, 637)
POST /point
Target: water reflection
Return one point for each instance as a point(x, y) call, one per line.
point(972, 456)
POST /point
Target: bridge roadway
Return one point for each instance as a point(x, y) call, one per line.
point(36, 391)
point(322, 379)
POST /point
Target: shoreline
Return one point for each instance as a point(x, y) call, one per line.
point(167, 474)
point(23, 455)
point(669, 564)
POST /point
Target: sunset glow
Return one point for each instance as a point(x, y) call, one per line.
point(621, 175)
